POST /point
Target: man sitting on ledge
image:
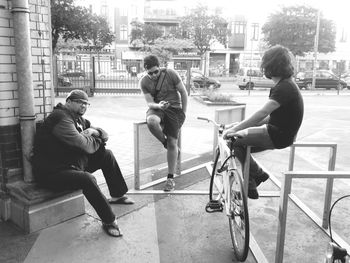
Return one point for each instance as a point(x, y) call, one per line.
point(67, 150)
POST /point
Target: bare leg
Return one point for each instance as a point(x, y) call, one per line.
point(153, 123)
point(172, 154)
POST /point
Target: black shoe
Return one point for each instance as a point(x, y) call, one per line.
point(262, 178)
point(253, 194)
point(252, 191)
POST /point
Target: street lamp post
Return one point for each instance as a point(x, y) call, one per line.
point(250, 65)
point(316, 49)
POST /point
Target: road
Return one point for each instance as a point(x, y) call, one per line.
point(229, 87)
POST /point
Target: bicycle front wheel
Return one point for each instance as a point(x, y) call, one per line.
point(216, 183)
point(239, 219)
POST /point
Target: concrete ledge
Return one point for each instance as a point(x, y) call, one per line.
point(32, 218)
point(33, 208)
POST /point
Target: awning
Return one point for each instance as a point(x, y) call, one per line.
point(133, 55)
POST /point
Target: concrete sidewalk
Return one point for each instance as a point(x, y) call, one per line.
point(176, 228)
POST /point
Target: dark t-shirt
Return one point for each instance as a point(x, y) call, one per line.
point(285, 121)
point(168, 91)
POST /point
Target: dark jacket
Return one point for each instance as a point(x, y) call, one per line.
point(60, 143)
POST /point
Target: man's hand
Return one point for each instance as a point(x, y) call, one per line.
point(163, 104)
point(91, 132)
point(232, 132)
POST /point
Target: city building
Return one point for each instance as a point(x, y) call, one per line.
point(244, 47)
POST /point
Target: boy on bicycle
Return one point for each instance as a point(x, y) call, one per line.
point(275, 125)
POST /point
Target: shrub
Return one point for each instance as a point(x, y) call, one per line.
point(217, 97)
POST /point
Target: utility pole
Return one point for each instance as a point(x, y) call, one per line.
point(316, 48)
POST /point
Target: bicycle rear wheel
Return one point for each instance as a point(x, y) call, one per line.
point(239, 219)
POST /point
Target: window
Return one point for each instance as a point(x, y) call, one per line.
point(343, 37)
point(123, 32)
point(239, 27)
point(255, 31)
point(123, 12)
point(254, 73)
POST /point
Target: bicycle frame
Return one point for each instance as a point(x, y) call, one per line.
point(225, 156)
point(227, 179)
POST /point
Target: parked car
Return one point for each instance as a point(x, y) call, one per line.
point(63, 81)
point(324, 79)
point(347, 80)
point(249, 78)
point(114, 74)
point(198, 80)
point(74, 73)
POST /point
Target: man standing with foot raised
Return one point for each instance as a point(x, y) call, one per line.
point(166, 98)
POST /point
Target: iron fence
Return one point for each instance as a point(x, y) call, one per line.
point(95, 76)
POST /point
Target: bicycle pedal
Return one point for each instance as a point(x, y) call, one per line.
point(214, 206)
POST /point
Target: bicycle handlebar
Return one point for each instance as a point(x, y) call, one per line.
point(209, 120)
point(220, 126)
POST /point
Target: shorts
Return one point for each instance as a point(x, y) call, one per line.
point(171, 118)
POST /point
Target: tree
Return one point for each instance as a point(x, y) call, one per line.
point(76, 22)
point(98, 32)
point(65, 20)
point(295, 27)
point(144, 33)
point(149, 38)
point(203, 29)
point(165, 48)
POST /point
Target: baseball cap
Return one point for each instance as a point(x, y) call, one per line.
point(77, 94)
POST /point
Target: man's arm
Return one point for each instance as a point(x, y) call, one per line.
point(259, 117)
point(184, 97)
point(152, 105)
point(66, 132)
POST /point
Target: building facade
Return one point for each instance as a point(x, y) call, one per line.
point(244, 47)
point(37, 86)
point(26, 96)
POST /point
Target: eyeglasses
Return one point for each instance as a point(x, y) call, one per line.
point(153, 72)
point(84, 103)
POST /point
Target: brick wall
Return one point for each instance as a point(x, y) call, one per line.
point(40, 30)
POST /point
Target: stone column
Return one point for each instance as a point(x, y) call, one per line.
point(21, 26)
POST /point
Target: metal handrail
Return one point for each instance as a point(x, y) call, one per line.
point(286, 186)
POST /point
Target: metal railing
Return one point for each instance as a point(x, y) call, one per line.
point(286, 187)
point(95, 76)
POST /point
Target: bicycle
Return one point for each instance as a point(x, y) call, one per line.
point(226, 178)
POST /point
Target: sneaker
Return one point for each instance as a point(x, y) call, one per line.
point(262, 178)
point(169, 185)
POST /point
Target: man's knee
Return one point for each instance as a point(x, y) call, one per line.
point(88, 179)
point(153, 121)
point(109, 155)
point(172, 142)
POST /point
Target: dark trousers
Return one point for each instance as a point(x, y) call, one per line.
point(259, 140)
point(254, 169)
point(74, 179)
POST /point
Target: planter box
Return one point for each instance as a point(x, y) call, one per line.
point(217, 103)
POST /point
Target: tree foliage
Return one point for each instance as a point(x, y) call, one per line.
point(98, 33)
point(203, 28)
point(165, 48)
point(75, 22)
point(150, 38)
point(295, 27)
point(144, 33)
